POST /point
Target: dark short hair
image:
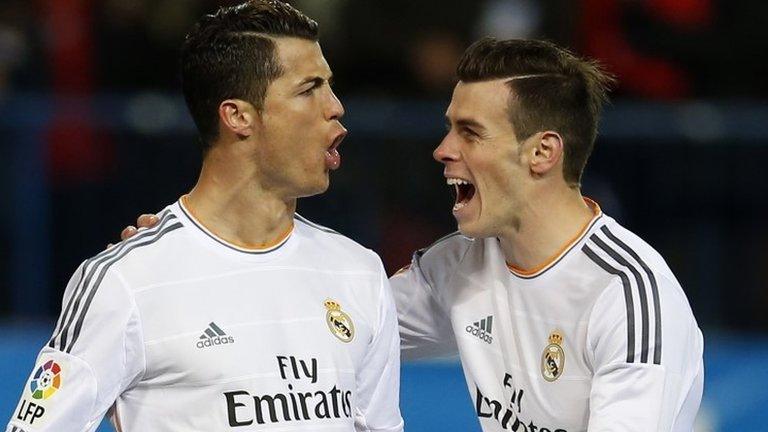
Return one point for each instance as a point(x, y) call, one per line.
point(231, 55)
point(551, 89)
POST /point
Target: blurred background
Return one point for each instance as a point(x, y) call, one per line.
point(93, 132)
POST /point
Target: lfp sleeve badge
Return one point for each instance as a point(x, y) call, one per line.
point(44, 383)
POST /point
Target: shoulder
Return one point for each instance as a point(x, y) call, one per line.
point(333, 247)
point(614, 250)
point(446, 250)
point(99, 298)
point(617, 242)
point(149, 247)
point(642, 304)
point(105, 268)
point(437, 261)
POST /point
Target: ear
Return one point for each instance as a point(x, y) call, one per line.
point(546, 152)
point(238, 117)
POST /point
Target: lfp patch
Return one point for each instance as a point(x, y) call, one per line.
point(47, 380)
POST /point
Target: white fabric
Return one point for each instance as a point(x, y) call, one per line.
point(460, 296)
point(187, 333)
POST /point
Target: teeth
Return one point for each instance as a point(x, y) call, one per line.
point(458, 206)
point(457, 181)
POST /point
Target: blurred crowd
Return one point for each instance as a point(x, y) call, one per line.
point(660, 49)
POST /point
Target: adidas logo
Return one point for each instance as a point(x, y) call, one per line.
point(482, 329)
point(213, 336)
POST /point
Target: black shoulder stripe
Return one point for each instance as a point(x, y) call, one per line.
point(313, 225)
point(654, 292)
point(95, 287)
point(627, 299)
point(92, 263)
point(640, 290)
point(90, 267)
point(66, 308)
point(422, 251)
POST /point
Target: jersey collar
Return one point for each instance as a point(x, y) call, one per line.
point(549, 263)
point(242, 249)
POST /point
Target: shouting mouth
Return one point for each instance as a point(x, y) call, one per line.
point(464, 192)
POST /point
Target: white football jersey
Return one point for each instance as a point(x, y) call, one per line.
point(178, 330)
point(602, 338)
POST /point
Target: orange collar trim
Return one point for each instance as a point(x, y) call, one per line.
point(564, 250)
point(261, 248)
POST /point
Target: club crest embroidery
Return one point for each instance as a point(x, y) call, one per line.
point(339, 322)
point(553, 357)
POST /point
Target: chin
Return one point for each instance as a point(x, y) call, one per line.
point(314, 189)
point(475, 229)
point(469, 230)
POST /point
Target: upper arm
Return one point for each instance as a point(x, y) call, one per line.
point(425, 327)
point(95, 353)
point(636, 392)
point(378, 381)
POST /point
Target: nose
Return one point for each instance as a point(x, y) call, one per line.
point(334, 108)
point(447, 151)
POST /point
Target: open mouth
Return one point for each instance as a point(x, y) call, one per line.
point(464, 191)
point(332, 156)
point(337, 140)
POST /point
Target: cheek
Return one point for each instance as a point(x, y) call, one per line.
point(502, 180)
point(499, 169)
point(287, 139)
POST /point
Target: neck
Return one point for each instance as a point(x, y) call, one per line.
point(230, 202)
point(544, 228)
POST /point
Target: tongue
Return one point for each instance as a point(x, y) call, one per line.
point(332, 159)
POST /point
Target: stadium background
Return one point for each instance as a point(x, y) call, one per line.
point(94, 132)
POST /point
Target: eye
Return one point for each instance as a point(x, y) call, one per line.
point(469, 133)
point(309, 91)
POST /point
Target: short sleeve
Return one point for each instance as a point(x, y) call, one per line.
point(95, 353)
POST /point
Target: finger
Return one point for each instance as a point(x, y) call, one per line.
point(128, 232)
point(110, 245)
point(147, 221)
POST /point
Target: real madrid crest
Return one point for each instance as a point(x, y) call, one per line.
point(553, 357)
point(339, 322)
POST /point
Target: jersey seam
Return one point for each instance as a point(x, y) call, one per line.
point(382, 306)
point(91, 411)
point(453, 274)
point(314, 225)
point(135, 307)
point(624, 364)
point(615, 284)
point(450, 278)
point(440, 240)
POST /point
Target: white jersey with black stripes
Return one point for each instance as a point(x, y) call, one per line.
point(178, 330)
point(601, 338)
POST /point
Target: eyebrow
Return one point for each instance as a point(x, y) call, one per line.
point(316, 81)
point(466, 122)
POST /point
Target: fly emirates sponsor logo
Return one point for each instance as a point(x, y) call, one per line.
point(508, 413)
point(245, 409)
